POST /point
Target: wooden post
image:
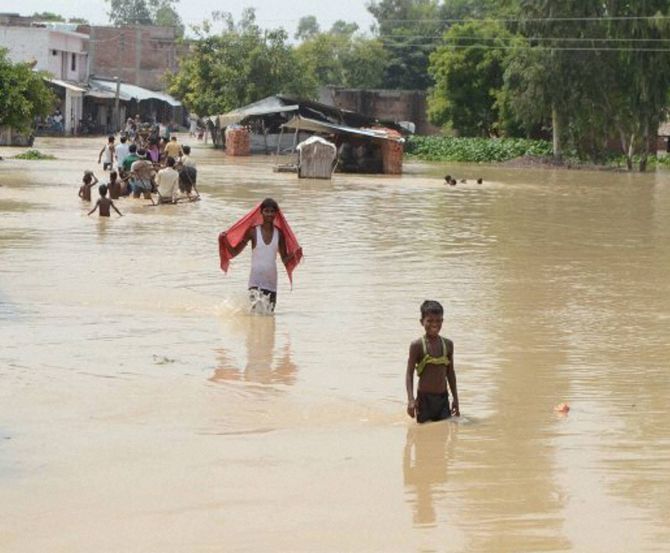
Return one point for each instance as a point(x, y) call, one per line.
point(281, 134)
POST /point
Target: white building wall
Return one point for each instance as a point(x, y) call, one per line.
point(52, 50)
point(25, 44)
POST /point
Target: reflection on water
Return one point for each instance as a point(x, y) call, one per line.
point(555, 286)
point(263, 364)
point(428, 450)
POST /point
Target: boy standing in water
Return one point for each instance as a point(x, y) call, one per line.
point(432, 357)
point(108, 151)
point(114, 186)
point(267, 239)
point(104, 203)
point(89, 181)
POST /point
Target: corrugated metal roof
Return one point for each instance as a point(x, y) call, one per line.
point(266, 106)
point(306, 124)
point(131, 91)
point(67, 84)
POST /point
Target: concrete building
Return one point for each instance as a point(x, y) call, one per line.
point(138, 55)
point(62, 54)
point(394, 105)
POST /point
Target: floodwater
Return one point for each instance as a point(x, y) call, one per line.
point(143, 409)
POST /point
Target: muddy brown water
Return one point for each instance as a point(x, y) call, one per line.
point(143, 409)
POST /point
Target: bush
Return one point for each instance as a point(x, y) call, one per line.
point(34, 154)
point(477, 150)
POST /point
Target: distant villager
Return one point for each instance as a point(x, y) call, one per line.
point(464, 181)
point(452, 182)
point(480, 180)
point(447, 179)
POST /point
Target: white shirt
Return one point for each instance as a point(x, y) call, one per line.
point(264, 262)
point(168, 181)
point(122, 151)
point(186, 161)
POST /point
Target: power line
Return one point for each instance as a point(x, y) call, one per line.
point(506, 19)
point(529, 38)
point(547, 48)
point(533, 19)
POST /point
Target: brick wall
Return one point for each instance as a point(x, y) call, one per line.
point(396, 105)
point(139, 55)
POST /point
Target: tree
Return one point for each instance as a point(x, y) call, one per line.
point(341, 27)
point(308, 27)
point(411, 30)
point(166, 16)
point(48, 16)
point(639, 94)
point(408, 29)
point(343, 60)
point(23, 94)
point(241, 65)
point(468, 73)
point(592, 72)
point(364, 63)
point(129, 12)
point(144, 12)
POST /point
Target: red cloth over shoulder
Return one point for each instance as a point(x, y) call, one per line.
point(234, 235)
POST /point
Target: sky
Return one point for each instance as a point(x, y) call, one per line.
point(269, 13)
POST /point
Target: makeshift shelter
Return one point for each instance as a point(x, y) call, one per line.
point(360, 140)
point(316, 158)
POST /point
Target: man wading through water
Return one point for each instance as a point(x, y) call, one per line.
point(269, 233)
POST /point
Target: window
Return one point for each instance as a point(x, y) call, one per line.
point(54, 53)
point(73, 63)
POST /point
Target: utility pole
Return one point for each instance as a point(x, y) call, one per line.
point(117, 122)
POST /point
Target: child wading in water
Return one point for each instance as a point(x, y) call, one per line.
point(89, 181)
point(104, 203)
point(108, 151)
point(269, 234)
point(432, 357)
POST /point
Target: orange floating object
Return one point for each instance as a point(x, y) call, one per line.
point(562, 408)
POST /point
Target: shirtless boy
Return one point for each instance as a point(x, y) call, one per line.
point(114, 186)
point(104, 203)
point(89, 181)
point(432, 357)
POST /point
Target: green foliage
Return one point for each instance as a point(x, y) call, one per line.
point(48, 16)
point(34, 155)
point(407, 28)
point(410, 31)
point(241, 65)
point(166, 16)
point(23, 94)
point(341, 27)
point(592, 80)
point(308, 27)
point(468, 77)
point(129, 12)
point(144, 12)
point(474, 150)
point(338, 58)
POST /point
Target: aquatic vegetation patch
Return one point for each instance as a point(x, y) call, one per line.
point(34, 154)
point(474, 150)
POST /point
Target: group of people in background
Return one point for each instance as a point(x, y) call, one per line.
point(142, 166)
